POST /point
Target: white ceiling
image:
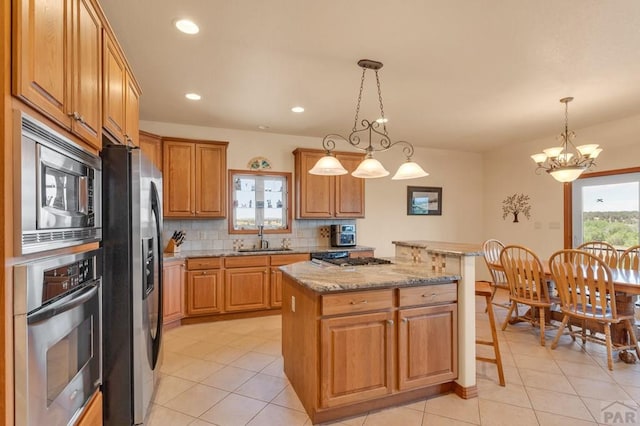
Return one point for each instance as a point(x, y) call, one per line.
point(458, 74)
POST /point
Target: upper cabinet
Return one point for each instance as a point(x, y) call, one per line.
point(58, 63)
point(327, 196)
point(151, 145)
point(194, 178)
point(121, 96)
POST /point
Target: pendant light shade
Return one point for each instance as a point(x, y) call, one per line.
point(370, 137)
point(370, 168)
point(328, 166)
point(567, 174)
point(409, 170)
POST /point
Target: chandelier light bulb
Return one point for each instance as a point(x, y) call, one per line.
point(409, 170)
point(328, 166)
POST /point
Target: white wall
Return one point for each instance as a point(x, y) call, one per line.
point(510, 169)
point(459, 174)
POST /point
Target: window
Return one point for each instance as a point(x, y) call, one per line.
point(606, 208)
point(259, 199)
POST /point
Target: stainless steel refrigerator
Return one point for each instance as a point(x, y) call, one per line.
point(132, 283)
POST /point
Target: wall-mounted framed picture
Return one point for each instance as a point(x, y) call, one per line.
point(424, 200)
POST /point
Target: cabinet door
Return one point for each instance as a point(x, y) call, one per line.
point(276, 287)
point(356, 361)
point(178, 178)
point(113, 90)
point(427, 345)
point(210, 180)
point(349, 192)
point(204, 292)
point(87, 73)
point(42, 55)
point(132, 112)
point(314, 194)
point(173, 292)
point(151, 145)
point(246, 289)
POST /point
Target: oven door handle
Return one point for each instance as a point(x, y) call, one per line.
point(65, 305)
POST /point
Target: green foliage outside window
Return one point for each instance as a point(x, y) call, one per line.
point(617, 228)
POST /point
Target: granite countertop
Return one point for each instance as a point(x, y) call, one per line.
point(323, 277)
point(459, 249)
point(226, 253)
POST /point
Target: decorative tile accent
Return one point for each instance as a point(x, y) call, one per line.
point(438, 262)
point(286, 242)
point(324, 231)
point(238, 244)
point(416, 254)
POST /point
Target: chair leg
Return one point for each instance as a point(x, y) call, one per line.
point(494, 337)
point(607, 334)
point(541, 325)
point(565, 320)
point(632, 336)
point(509, 312)
point(584, 332)
point(573, 336)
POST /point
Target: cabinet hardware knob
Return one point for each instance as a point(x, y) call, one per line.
point(405, 320)
point(390, 322)
point(432, 295)
point(357, 302)
point(74, 115)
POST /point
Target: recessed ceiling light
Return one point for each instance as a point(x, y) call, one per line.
point(263, 127)
point(382, 120)
point(187, 26)
point(193, 96)
point(297, 109)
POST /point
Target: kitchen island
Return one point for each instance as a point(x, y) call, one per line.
point(360, 338)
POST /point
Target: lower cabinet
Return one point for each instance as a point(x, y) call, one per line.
point(204, 292)
point(92, 415)
point(276, 274)
point(246, 289)
point(356, 357)
point(172, 291)
point(427, 345)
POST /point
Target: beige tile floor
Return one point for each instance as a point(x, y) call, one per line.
point(230, 373)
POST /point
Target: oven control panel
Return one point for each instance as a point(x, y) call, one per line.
point(62, 279)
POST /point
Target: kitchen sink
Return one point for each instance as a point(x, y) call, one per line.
point(258, 250)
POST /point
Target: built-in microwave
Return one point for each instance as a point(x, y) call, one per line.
point(60, 190)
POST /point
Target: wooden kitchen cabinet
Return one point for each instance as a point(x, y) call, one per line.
point(58, 62)
point(92, 415)
point(246, 283)
point(356, 360)
point(327, 196)
point(121, 95)
point(151, 145)
point(361, 253)
point(173, 291)
point(195, 182)
point(204, 286)
point(276, 274)
point(427, 345)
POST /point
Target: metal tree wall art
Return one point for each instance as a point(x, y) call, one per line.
point(516, 204)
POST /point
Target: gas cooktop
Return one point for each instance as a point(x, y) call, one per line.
point(358, 261)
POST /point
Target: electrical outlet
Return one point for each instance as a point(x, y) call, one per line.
point(293, 303)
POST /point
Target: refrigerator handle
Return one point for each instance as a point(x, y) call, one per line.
point(157, 216)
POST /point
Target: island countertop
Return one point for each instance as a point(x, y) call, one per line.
point(459, 249)
point(322, 277)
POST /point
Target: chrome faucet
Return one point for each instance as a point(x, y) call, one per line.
point(264, 244)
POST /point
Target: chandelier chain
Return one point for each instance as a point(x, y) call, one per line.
point(355, 121)
point(384, 123)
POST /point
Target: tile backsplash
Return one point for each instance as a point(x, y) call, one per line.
point(213, 234)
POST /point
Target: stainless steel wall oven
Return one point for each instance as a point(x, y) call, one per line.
point(58, 334)
point(60, 190)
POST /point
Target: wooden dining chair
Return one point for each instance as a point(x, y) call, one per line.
point(491, 249)
point(603, 250)
point(527, 285)
point(584, 282)
point(630, 258)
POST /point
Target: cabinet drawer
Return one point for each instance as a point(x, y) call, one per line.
point(245, 261)
point(286, 259)
point(358, 301)
point(204, 263)
point(428, 294)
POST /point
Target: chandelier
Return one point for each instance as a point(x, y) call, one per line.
point(567, 161)
point(370, 137)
